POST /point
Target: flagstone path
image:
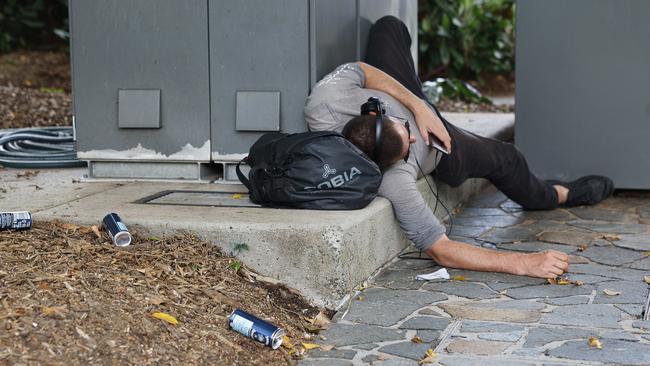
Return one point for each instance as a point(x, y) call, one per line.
point(479, 318)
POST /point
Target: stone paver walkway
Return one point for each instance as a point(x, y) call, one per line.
point(497, 319)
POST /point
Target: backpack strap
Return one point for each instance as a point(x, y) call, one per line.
point(241, 176)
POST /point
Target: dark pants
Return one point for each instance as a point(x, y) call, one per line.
point(472, 156)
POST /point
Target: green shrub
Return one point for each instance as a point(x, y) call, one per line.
point(465, 38)
point(32, 23)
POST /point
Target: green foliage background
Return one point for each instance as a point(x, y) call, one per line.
point(33, 24)
point(466, 39)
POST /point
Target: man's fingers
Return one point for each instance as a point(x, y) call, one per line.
point(425, 134)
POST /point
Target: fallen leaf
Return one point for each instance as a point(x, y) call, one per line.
point(551, 281)
point(72, 227)
point(236, 196)
point(286, 343)
point(310, 346)
point(312, 328)
point(646, 279)
point(429, 357)
point(166, 317)
point(95, 230)
point(327, 347)
point(582, 247)
point(564, 281)
point(611, 237)
point(578, 283)
point(360, 298)
point(647, 253)
point(321, 320)
point(594, 342)
point(458, 278)
point(611, 292)
point(43, 286)
point(53, 311)
point(416, 339)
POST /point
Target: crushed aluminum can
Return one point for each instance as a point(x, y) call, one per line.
point(117, 230)
point(256, 328)
point(19, 220)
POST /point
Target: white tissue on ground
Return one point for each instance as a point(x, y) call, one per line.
point(439, 274)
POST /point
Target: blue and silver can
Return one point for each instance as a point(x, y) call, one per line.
point(256, 328)
point(117, 230)
point(15, 220)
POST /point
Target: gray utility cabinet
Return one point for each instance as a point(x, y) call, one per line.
point(180, 89)
point(583, 88)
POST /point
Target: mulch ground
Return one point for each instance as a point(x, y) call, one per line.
point(69, 297)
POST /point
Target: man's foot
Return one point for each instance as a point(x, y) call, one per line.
point(587, 190)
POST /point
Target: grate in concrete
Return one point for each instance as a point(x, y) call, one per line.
point(199, 198)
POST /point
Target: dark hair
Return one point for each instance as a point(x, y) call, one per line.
point(361, 132)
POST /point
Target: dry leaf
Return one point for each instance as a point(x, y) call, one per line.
point(286, 343)
point(54, 310)
point(594, 342)
point(551, 281)
point(360, 298)
point(416, 339)
point(327, 347)
point(72, 227)
point(429, 357)
point(611, 292)
point(310, 346)
point(312, 328)
point(458, 278)
point(236, 196)
point(647, 253)
point(166, 317)
point(611, 237)
point(321, 320)
point(582, 248)
point(564, 281)
point(646, 279)
point(578, 283)
point(95, 230)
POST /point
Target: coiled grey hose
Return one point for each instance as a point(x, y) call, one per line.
point(47, 147)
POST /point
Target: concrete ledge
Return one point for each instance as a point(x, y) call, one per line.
point(324, 254)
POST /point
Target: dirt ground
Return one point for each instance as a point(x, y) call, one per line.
point(70, 297)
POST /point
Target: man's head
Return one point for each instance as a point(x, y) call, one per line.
point(395, 139)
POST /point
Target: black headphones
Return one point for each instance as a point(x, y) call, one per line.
point(375, 105)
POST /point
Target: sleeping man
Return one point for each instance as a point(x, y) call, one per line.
point(405, 152)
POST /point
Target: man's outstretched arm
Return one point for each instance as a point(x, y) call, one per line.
point(450, 253)
point(425, 118)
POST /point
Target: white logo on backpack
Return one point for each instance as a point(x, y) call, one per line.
point(337, 180)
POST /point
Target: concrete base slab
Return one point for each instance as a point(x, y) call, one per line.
point(323, 254)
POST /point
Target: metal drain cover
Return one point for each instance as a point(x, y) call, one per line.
point(199, 198)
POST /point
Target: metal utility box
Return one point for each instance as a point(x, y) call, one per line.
point(583, 88)
point(180, 89)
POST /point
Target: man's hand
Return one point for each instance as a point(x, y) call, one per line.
point(546, 264)
point(428, 122)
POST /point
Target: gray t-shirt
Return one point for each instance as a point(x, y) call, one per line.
point(335, 100)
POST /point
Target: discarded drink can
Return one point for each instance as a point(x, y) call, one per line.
point(117, 230)
point(256, 328)
point(15, 220)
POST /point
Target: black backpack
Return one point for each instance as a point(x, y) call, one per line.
point(312, 170)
